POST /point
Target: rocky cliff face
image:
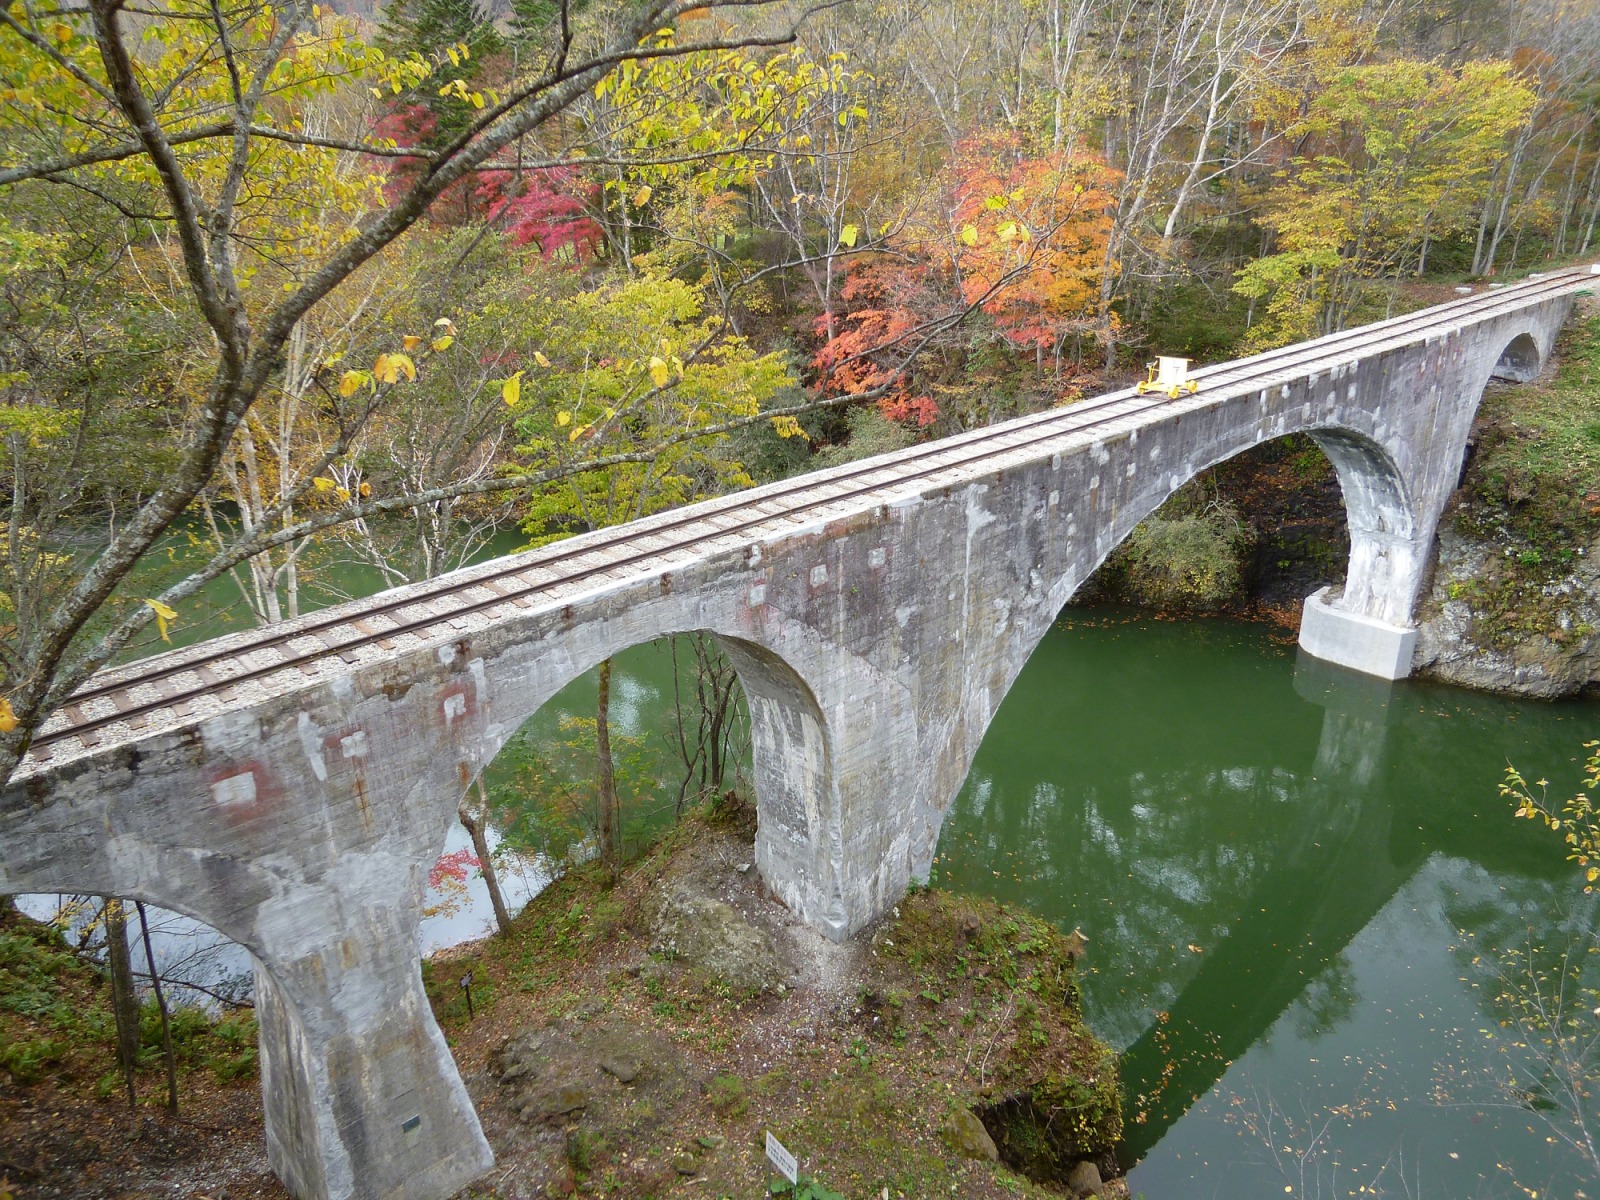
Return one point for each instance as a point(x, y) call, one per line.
point(1468, 638)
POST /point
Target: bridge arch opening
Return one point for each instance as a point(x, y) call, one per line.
point(1519, 362)
point(91, 979)
point(1273, 522)
point(621, 750)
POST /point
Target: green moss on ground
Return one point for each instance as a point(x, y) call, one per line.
point(858, 1065)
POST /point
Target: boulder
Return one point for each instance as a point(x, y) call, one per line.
point(1084, 1179)
point(965, 1134)
point(711, 936)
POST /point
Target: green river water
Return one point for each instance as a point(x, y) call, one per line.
point(1295, 883)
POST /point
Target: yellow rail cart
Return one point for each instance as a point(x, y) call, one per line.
point(1169, 375)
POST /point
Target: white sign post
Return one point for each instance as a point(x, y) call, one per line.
point(780, 1158)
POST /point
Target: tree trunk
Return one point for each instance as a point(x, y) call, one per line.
point(161, 1007)
point(480, 847)
point(609, 833)
point(124, 1001)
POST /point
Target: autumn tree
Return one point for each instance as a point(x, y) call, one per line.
point(175, 123)
point(1395, 157)
point(1017, 238)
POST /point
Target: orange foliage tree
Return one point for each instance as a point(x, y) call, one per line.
point(1021, 239)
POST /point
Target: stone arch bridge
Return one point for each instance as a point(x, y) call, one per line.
point(292, 786)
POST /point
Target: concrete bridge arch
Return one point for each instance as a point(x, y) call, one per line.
point(877, 613)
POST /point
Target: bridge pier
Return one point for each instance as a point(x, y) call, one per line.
point(1366, 624)
point(844, 822)
point(361, 1095)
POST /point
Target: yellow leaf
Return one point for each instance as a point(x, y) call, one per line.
point(163, 615)
point(8, 717)
point(477, 99)
point(511, 389)
point(350, 382)
point(969, 235)
point(642, 196)
point(658, 371)
point(563, 418)
point(446, 324)
point(384, 370)
point(540, 359)
point(404, 365)
point(365, 489)
point(847, 235)
point(323, 485)
point(1008, 231)
point(343, 494)
point(411, 341)
point(441, 344)
point(455, 59)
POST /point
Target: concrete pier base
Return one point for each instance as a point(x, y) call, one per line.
point(1351, 640)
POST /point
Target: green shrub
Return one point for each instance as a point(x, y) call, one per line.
point(1191, 558)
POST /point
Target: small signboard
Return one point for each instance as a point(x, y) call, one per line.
point(780, 1158)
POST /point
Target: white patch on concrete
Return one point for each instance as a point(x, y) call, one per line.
point(311, 743)
point(1055, 499)
point(758, 595)
point(1094, 483)
point(753, 559)
point(819, 576)
point(903, 614)
point(877, 556)
point(1133, 469)
point(234, 791)
point(1098, 451)
point(447, 653)
point(354, 745)
point(455, 705)
point(977, 515)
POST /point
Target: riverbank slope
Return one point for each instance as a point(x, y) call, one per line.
point(638, 1039)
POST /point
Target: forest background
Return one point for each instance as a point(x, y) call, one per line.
point(287, 284)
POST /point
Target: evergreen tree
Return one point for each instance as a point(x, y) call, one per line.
point(431, 28)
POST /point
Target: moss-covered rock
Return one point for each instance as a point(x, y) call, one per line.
point(1005, 983)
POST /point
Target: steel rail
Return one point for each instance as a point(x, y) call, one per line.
point(934, 459)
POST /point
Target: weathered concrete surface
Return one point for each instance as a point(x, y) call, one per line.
point(875, 636)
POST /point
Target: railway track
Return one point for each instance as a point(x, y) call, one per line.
point(131, 694)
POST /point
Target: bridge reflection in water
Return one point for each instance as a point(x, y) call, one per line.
point(1224, 822)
